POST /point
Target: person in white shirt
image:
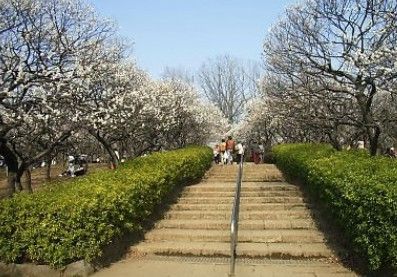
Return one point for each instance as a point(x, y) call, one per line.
point(240, 151)
point(71, 166)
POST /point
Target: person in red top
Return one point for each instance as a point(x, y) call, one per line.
point(256, 152)
point(230, 146)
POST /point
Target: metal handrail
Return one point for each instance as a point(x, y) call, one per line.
point(234, 218)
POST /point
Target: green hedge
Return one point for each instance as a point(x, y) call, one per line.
point(359, 191)
point(77, 219)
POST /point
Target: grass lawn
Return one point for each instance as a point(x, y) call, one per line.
point(39, 175)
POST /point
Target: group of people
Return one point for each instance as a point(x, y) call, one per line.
point(228, 151)
point(76, 166)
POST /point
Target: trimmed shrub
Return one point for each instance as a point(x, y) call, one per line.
point(359, 192)
point(75, 220)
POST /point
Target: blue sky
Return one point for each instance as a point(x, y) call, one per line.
point(185, 33)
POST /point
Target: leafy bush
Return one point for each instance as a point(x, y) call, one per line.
point(77, 219)
point(359, 191)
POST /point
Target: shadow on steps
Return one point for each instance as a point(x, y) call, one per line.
point(119, 248)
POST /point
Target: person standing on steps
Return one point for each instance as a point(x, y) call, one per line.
point(256, 152)
point(240, 152)
point(217, 154)
point(230, 147)
point(222, 151)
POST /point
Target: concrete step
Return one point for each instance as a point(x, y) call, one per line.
point(211, 187)
point(244, 215)
point(196, 214)
point(166, 266)
point(243, 207)
point(275, 214)
point(243, 201)
point(246, 186)
point(208, 249)
point(251, 250)
point(247, 166)
point(263, 236)
point(244, 193)
point(245, 174)
point(246, 179)
point(277, 224)
point(209, 224)
point(269, 187)
point(246, 170)
point(221, 183)
point(215, 224)
point(284, 250)
point(233, 171)
point(201, 207)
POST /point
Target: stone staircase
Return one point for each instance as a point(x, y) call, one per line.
point(276, 221)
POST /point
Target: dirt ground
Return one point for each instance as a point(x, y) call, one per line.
point(39, 176)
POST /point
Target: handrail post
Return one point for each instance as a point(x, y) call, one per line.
point(234, 219)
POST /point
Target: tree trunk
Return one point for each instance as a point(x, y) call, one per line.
point(23, 186)
point(108, 148)
point(16, 168)
point(365, 103)
point(334, 142)
point(27, 185)
point(374, 141)
point(48, 170)
point(11, 182)
point(337, 146)
point(114, 160)
point(11, 161)
point(17, 181)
